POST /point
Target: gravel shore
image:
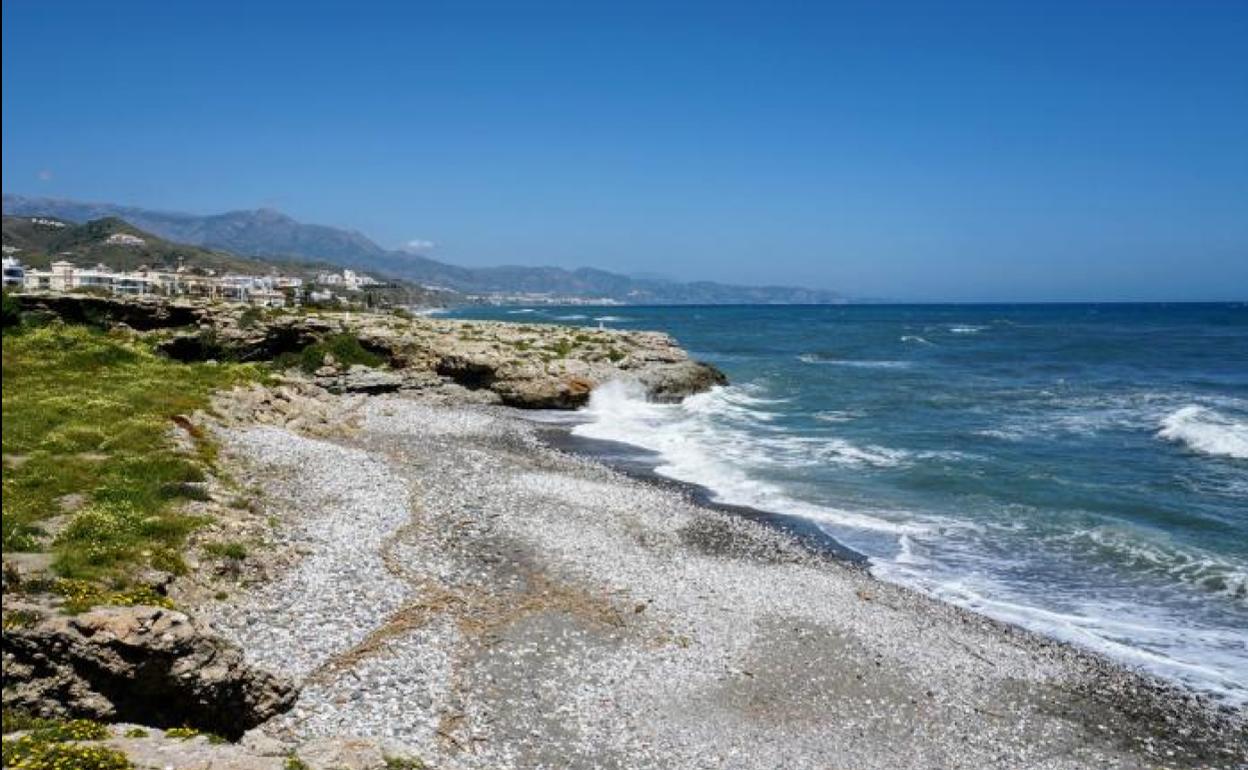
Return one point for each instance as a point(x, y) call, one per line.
point(494, 602)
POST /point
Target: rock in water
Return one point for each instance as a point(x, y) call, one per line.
point(139, 664)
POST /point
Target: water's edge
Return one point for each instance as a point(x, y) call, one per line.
point(636, 462)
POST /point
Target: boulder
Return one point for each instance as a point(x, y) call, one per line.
point(140, 664)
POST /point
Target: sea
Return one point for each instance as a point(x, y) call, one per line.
point(1079, 470)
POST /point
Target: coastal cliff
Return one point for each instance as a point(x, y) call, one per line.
point(529, 366)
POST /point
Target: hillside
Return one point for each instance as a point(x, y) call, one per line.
point(268, 235)
point(118, 244)
point(115, 243)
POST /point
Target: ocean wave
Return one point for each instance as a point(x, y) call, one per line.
point(966, 329)
point(711, 439)
point(1207, 432)
point(572, 317)
point(846, 453)
point(1001, 435)
point(915, 338)
point(817, 358)
point(1180, 564)
point(834, 415)
point(1153, 639)
point(610, 318)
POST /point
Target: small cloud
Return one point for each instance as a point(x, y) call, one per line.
point(45, 175)
point(418, 246)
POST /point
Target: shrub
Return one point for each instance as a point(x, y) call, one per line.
point(11, 315)
point(20, 619)
point(30, 753)
point(231, 550)
point(250, 317)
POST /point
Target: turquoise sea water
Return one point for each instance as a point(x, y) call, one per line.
point(1081, 470)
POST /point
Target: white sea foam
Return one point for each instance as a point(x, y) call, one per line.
point(967, 329)
point(709, 440)
point(834, 415)
point(815, 358)
point(915, 338)
point(521, 310)
point(610, 318)
point(1207, 432)
point(572, 317)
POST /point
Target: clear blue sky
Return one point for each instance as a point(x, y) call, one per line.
point(926, 150)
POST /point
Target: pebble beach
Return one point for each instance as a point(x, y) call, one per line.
point(468, 590)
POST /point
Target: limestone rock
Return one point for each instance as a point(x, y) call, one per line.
point(532, 366)
point(143, 664)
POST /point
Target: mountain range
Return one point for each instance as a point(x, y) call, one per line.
point(273, 236)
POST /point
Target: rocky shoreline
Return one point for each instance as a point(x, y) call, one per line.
point(432, 580)
point(538, 609)
point(530, 366)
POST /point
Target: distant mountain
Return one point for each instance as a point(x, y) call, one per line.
point(116, 243)
point(269, 235)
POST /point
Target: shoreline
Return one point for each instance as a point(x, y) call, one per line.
point(628, 459)
point(535, 576)
point(637, 462)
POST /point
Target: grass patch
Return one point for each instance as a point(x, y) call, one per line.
point(81, 595)
point(294, 763)
point(29, 753)
point(345, 349)
point(55, 744)
point(20, 619)
point(561, 348)
point(187, 733)
point(89, 412)
point(250, 317)
point(231, 550)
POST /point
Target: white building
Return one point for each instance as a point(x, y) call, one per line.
point(347, 279)
point(63, 275)
point(125, 239)
point(14, 274)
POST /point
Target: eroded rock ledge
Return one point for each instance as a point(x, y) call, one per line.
point(532, 366)
point(138, 664)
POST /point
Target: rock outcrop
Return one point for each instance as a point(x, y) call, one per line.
point(140, 664)
point(533, 366)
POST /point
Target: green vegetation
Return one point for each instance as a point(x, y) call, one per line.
point(345, 349)
point(231, 550)
point(81, 595)
point(561, 348)
point(405, 763)
point(53, 744)
point(137, 732)
point(20, 619)
point(187, 733)
point(11, 315)
point(250, 317)
point(16, 719)
point(87, 415)
point(294, 763)
point(29, 753)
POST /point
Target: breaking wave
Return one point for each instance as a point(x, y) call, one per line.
point(1207, 432)
point(712, 440)
point(818, 358)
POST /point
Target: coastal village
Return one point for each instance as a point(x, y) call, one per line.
point(261, 290)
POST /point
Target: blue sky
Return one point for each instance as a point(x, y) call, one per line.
point(930, 151)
